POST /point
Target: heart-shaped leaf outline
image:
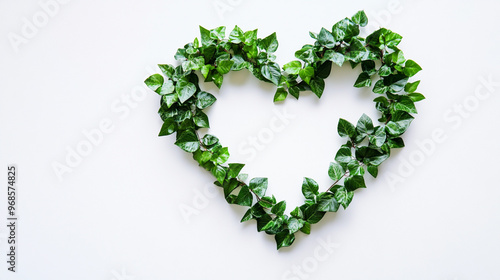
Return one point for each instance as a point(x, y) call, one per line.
point(183, 102)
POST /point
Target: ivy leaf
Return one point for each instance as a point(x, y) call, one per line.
point(343, 196)
point(188, 141)
point(405, 104)
point(411, 68)
point(360, 18)
point(280, 94)
point(269, 44)
point(167, 69)
point(415, 96)
point(345, 128)
point(399, 122)
point(168, 127)
point(334, 56)
point(220, 173)
point(218, 33)
point(355, 168)
point(244, 197)
point(295, 224)
point(364, 125)
point(279, 208)
point(309, 188)
point(363, 80)
point(354, 182)
point(258, 186)
point(185, 90)
point(250, 37)
point(344, 30)
point(205, 36)
point(272, 72)
point(209, 140)
point(306, 74)
point(224, 66)
point(284, 239)
point(327, 203)
point(236, 36)
point(204, 99)
point(317, 86)
point(293, 67)
point(154, 81)
point(384, 71)
point(234, 170)
point(335, 171)
point(221, 156)
point(201, 119)
point(247, 216)
point(411, 87)
point(344, 155)
point(170, 99)
point(373, 170)
point(378, 138)
point(325, 38)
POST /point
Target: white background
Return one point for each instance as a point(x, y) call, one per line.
point(433, 212)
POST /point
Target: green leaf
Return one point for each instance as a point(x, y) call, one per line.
point(284, 239)
point(292, 67)
point(360, 18)
point(364, 125)
point(344, 30)
point(244, 197)
point(279, 208)
point(378, 138)
point(297, 213)
point(395, 83)
point(355, 168)
point(312, 214)
point(219, 172)
point(335, 171)
point(221, 156)
point(306, 228)
point(250, 37)
point(234, 170)
point(343, 196)
point(317, 86)
point(354, 182)
point(188, 141)
point(325, 38)
point(248, 216)
point(269, 44)
point(272, 72)
point(411, 68)
point(306, 74)
point(218, 33)
point(167, 69)
point(399, 122)
point(327, 203)
point(309, 188)
point(205, 36)
point(280, 94)
point(204, 99)
point(295, 224)
point(363, 80)
point(258, 186)
point(201, 119)
point(209, 140)
point(224, 66)
point(384, 71)
point(185, 90)
point(154, 81)
point(168, 127)
point(334, 56)
point(373, 170)
point(344, 155)
point(404, 104)
point(411, 87)
point(236, 36)
point(345, 128)
point(170, 99)
point(415, 96)
point(167, 87)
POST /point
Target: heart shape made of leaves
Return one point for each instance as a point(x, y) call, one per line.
point(183, 102)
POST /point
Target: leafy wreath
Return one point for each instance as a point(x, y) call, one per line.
point(183, 102)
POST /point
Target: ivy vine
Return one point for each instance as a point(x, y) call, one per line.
point(183, 102)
